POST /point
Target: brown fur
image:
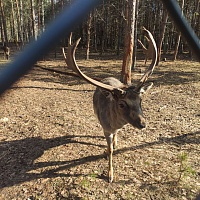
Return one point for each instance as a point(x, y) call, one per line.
point(114, 111)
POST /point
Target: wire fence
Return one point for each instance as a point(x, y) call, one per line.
point(63, 25)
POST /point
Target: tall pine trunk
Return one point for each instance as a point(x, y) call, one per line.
point(162, 34)
point(129, 42)
point(135, 36)
point(4, 26)
point(33, 20)
point(13, 21)
point(89, 22)
point(178, 37)
point(19, 25)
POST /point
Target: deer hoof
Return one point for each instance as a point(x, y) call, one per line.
point(110, 180)
point(110, 176)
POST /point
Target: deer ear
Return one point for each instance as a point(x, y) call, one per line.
point(115, 94)
point(145, 88)
point(107, 94)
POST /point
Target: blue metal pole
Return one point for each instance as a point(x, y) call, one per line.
point(63, 25)
point(174, 10)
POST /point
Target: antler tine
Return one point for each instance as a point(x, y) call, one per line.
point(153, 62)
point(71, 63)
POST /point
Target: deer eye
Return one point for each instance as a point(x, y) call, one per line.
point(122, 104)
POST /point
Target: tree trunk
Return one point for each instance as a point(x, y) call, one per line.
point(19, 30)
point(129, 42)
point(4, 26)
point(135, 36)
point(42, 17)
point(162, 33)
point(33, 20)
point(102, 30)
point(89, 22)
point(39, 16)
point(13, 21)
point(120, 28)
point(178, 37)
point(1, 27)
point(95, 30)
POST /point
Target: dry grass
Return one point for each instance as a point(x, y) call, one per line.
point(52, 145)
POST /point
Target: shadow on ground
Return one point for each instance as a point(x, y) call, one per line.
point(64, 76)
point(17, 157)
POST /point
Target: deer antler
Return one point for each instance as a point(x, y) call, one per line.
point(153, 62)
point(71, 63)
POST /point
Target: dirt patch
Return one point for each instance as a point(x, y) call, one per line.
point(52, 146)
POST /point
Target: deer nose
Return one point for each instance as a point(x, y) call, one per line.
point(142, 125)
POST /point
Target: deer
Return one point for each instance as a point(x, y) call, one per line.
point(6, 50)
point(115, 104)
point(148, 52)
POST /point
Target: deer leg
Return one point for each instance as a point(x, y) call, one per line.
point(109, 139)
point(115, 140)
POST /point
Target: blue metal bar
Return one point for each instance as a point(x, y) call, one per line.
point(63, 25)
point(174, 10)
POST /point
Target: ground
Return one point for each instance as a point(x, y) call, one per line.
point(52, 147)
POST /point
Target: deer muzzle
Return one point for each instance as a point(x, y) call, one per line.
point(140, 122)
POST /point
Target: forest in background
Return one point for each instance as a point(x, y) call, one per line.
point(23, 21)
point(52, 146)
